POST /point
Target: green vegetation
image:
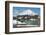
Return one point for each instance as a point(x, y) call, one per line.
point(29, 22)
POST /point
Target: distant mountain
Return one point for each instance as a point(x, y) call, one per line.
point(27, 12)
point(23, 15)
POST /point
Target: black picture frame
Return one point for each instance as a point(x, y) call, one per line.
point(7, 16)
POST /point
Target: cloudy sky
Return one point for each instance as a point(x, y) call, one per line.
point(17, 10)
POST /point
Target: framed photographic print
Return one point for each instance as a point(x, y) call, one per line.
point(24, 17)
